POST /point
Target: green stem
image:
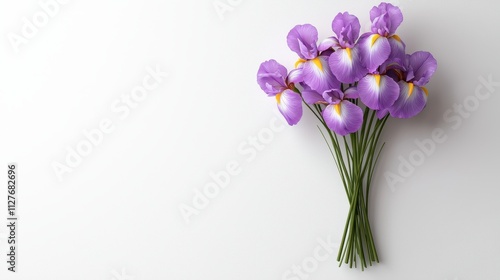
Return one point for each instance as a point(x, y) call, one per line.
point(355, 160)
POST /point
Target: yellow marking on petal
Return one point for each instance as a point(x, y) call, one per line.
point(349, 55)
point(337, 108)
point(377, 79)
point(396, 37)
point(374, 39)
point(299, 62)
point(425, 91)
point(318, 64)
point(410, 89)
point(278, 98)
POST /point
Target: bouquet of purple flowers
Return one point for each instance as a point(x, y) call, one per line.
point(352, 84)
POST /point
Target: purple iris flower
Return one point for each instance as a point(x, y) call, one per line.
point(313, 68)
point(273, 80)
point(345, 62)
point(379, 90)
point(340, 115)
point(420, 66)
point(382, 43)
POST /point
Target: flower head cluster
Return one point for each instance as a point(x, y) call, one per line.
point(346, 69)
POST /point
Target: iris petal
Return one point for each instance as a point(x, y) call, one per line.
point(343, 118)
point(346, 27)
point(351, 93)
point(382, 113)
point(333, 96)
point(311, 96)
point(378, 91)
point(302, 40)
point(317, 74)
point(271, 77)
point(345, 64)
point(290, 106)
point(374, 50)
point(397, 49)
point(411, 101)
point(385, 17)
point(330, 42)
point(423, 65)
point(295, 76)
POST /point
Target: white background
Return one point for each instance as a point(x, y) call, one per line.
point(117, 214)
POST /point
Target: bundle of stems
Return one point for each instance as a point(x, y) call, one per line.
point(356, 156)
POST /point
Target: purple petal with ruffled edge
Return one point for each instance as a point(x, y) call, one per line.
point(290, 106)
point(333, 96)
point(311, 96)
point(374, 50)
point(378, 91)
point(271, 77)
point(317, 74)
point(343, 118)
point(385, 19)
point(345, 65)
point(330, 42)
point(411, 101)
point(423, 65)
point(346, 27)
point(295, 76)
point(302, 40)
